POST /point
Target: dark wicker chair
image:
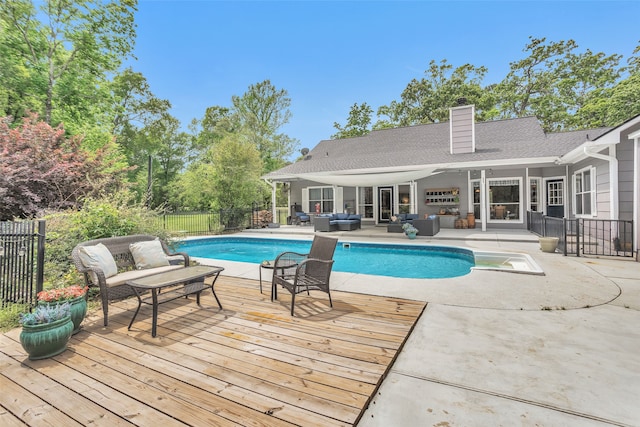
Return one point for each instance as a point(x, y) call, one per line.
point(305, 272)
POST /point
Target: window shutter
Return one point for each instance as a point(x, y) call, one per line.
point(305, 200)
point(338, 202)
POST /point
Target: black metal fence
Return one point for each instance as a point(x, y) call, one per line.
point(21, 261)
point(583, 236)
point(220, 221)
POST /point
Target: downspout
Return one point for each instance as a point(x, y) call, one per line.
point(636, 191)
point(273, 200)
point(613, 178)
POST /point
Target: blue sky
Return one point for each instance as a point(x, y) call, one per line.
point(329, 55)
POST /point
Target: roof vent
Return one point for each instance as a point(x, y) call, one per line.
point(462, 129)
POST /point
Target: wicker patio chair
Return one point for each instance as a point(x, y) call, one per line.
point(297, 272)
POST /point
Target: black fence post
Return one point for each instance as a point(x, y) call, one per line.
point(578, 236)
point(40, 259)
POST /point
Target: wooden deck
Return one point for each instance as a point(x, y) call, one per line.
point(249, 364)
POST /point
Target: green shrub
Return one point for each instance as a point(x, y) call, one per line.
point(98, 218)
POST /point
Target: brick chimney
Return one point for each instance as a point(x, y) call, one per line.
point(462, 130)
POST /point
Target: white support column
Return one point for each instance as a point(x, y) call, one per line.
point(274, 211)
point(483, 199)
point(636, 188)
point(413, 188)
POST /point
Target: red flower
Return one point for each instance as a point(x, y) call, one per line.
point(62, 294)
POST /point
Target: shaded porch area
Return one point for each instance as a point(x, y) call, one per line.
point(249, 364)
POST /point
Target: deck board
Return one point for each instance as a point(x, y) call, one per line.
point(248, 364)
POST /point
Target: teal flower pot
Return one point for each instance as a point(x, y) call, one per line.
point(411, 235)
point(78, 310)
point(47, 339)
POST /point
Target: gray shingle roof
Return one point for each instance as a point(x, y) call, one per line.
point(499, 140)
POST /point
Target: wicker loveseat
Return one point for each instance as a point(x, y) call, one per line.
point(114, 286)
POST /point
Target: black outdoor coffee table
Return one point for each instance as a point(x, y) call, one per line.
point(192, 279)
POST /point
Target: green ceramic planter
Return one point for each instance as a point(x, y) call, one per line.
point(46, 340)
point(78, 311)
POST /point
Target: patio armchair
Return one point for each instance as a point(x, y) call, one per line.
point(298, 273)
point(298, 216)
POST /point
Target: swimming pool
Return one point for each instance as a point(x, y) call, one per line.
point(392, 260)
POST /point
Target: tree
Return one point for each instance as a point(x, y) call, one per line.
point(358, 123)
point(217, 121)
point(554, 82)
point(167, 146)
point(428, 100)
point(42, 169)
point(261, 112)
point(65, 50)
point(226, 176)
point(616, 104)
point(135, 105)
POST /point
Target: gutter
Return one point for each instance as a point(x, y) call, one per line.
point(613, 178)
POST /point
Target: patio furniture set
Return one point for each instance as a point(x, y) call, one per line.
point(143, 266)
point(429, 226)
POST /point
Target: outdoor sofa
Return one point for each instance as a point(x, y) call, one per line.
point(401, 219)
point(110, 262)
point(339, 221)
point(429, 226)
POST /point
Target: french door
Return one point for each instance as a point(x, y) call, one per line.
point(385, 203)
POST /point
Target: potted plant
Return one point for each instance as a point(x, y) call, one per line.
point(548, 244)
point(75, 295)
point(46, 330)
point(410, 230)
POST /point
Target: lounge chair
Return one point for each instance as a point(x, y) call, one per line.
point(305, 272)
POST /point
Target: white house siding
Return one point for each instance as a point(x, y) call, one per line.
point(603, 186)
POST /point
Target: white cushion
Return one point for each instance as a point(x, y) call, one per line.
point(148, 254)
point(98, 257)
point(125, 276)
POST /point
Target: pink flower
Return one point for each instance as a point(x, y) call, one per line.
point(62, 294)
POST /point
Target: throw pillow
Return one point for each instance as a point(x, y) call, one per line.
point(148, 254)
point(99, 257)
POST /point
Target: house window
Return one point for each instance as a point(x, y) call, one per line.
point(323, 196)
point(584, 189)
point(555, 193)
point(404, 199)
point(505, 199)
point(535, 202)
point(365, 202)
point(475, 184)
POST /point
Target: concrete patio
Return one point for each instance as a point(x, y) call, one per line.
point(504, 349)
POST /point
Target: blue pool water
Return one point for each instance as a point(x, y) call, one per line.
point(408, 261)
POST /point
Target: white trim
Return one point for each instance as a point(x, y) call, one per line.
point(483, 199)
point(636, 188)
point(520, 201)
